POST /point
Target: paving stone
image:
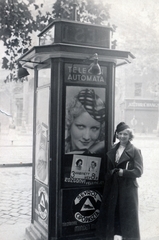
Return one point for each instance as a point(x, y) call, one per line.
point(23, 212)
point(6, 216)
point(24, 217)
point(5, 212)
point(15, 206)
point(14, 214)
point(10, 222)
point(3, 220)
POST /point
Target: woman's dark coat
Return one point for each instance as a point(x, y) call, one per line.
point(121, 191)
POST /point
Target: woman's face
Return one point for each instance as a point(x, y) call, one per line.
point(93, 165)
point(79, 163)
point(123, 137)
point(84, 131)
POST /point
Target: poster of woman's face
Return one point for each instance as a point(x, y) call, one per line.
point(85, 119)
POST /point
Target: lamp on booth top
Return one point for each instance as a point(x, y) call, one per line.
point(22, 72)
point(94, 68)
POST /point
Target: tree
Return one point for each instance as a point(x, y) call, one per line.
point(87, 11)
point(14, 19)
point(139, 34)
point(18, 20)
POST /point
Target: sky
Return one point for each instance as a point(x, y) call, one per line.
point(132, 15)
point(129, 16)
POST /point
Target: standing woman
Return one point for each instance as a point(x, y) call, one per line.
point(119, 210)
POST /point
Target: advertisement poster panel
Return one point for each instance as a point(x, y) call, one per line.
point(83, 162)
point(84, 119)
point(85, 167)
point(41, 208)
point(84, 134)
point(41, 157)
point(81, 210)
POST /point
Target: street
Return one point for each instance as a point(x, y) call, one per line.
point(15, 202)
point(148, 187)
point(16, 186)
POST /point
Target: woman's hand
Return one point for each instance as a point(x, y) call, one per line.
point(115, 170)
point(120, 173)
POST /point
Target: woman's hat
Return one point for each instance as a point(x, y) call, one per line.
point(89, 99)
point(120, 127)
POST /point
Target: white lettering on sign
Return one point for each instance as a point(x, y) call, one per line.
point(87, 206)
point(77, 69)
point(66, 224)
point(82, 181)
point(143, 104)
point(81, 228)
point(86, 194)
point(79, 73)
point(86, 219)
point(85, 78)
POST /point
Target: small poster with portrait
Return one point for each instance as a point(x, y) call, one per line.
point(84, 120)
point(85, 167)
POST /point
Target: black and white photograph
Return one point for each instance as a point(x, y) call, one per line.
point(79, 120)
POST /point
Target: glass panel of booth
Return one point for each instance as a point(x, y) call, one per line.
point(41, 166)
point(42, 132)
point(84, 135)
point(44, 76)
point(47, 37)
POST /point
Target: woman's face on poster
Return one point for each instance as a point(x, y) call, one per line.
point(79, 163)
point(84, 131)
point(93, 165)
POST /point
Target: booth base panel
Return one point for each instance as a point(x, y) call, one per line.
point(83, 238)
point(33, 234)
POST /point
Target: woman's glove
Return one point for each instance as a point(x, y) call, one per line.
point(115, 170)
point(120, 172)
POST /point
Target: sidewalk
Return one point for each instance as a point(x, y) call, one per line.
point(148, 188)
point(16, 188)
point(15, 202)
point(16, 150)
point(15, 185)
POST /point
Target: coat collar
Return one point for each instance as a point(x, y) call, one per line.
point(127, 154)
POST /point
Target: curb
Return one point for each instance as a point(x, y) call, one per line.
point(5, 165)
point(15, 145)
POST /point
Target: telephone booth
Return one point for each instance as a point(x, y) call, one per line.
point(74, 90)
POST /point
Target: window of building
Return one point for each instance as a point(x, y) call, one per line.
point(138, 89)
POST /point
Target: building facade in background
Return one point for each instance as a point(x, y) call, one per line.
point(16, 103)
point(136, 103)
point(139, 104)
